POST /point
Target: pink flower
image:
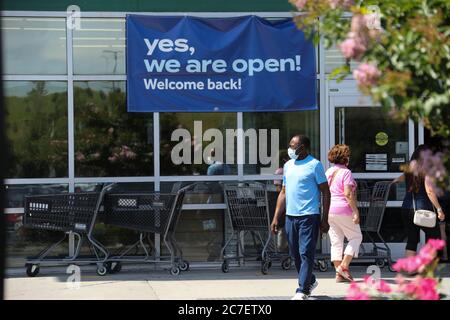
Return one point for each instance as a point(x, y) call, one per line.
point(383, 287)
point(436, 244)
point(334, 4)
point(426, 289)
point(366, 74)
point(355, 292)
point(80, 156)
point(421, 288)
point(358, 23)
point(113, 158)
point(300, 4)
point(352, 47)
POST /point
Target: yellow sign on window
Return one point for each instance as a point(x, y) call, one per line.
point(381, 138)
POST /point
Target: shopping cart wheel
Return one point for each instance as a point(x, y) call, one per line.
point(390, 266)
point(32, 269)
point(225, 267)
point(265, 266)
point(184, 265)
point(174, 271)
point(323, 266)
point(286, 263)
point(102, 270)
point(114, 267)
point(380, 263)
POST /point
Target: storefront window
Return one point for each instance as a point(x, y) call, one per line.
point(117, 187)
point(281, 126)
point(377, 142)
point(15, 193)
point(34, 45)
point(99, 46)
point(109, 141)
point(200, 234)
point(205, 192)
point(22, 242)
point(187, 143)
point(36, 127)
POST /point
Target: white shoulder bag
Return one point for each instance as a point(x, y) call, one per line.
point(423, 218)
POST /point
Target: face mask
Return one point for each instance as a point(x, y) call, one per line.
point(292, 154)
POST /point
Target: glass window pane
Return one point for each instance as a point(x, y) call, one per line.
point(334, 59)
point(281, 124)
point(206, 192)
point(200, 235)
point(34, 45)
point(22, 242)
point(185, 135)
point(118, 187)
point(109, 141)
point(36, 126)
point(15, 193)
point(377, 142)
point(99, 46)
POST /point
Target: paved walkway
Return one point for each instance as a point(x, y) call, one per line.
point(198, 283)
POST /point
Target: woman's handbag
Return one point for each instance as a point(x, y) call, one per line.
point(424, 218)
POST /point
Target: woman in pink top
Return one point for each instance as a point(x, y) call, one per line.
point(343, 215)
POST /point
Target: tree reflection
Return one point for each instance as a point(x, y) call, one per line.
point(36, 125)
point(109, 141)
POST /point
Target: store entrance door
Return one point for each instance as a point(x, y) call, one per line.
point(379, 146)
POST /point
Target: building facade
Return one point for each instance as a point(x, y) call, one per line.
point(69, 129)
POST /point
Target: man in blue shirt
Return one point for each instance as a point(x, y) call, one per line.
point(304, 181)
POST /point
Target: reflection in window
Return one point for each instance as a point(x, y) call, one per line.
point(287, 124)
point(118, 187)
point(109, 141)
point(200, 234)
point(15, 193)
point(380, 145)
point(36, 126)
point(34, 45)
point(205, 192)
point(23, 242)
point(179, 157)
point(99, 46)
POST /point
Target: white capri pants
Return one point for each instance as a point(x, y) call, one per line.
point(342, 226)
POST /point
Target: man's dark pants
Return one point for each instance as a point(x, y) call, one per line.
point(302, 233)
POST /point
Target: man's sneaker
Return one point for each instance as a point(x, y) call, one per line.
point(344, 273)
point(313, 286)
point(300, 296)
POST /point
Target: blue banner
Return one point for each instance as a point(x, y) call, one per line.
point(240, 64)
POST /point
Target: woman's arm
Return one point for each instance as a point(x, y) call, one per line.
point(429, 187)
point(399, 179)
point(350, 195)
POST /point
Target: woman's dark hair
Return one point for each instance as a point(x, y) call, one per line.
point(415, 180)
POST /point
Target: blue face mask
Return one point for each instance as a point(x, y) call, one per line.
point(292, 153)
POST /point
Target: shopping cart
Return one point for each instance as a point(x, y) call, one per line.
point(247, 206)
point(372, 205)
point(73, 214)
point(148, 214)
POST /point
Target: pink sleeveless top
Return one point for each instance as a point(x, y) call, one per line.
point(344, 177)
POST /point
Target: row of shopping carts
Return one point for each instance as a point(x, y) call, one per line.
point(150, 213)
point(77, 213)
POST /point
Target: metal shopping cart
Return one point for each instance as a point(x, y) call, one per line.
point(147, 213)
point(70, 213)
point(372, 205)
point(247, 206)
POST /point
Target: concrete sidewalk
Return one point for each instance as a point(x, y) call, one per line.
point(199, 283)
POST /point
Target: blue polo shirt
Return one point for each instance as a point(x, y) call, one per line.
point(301, 179)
